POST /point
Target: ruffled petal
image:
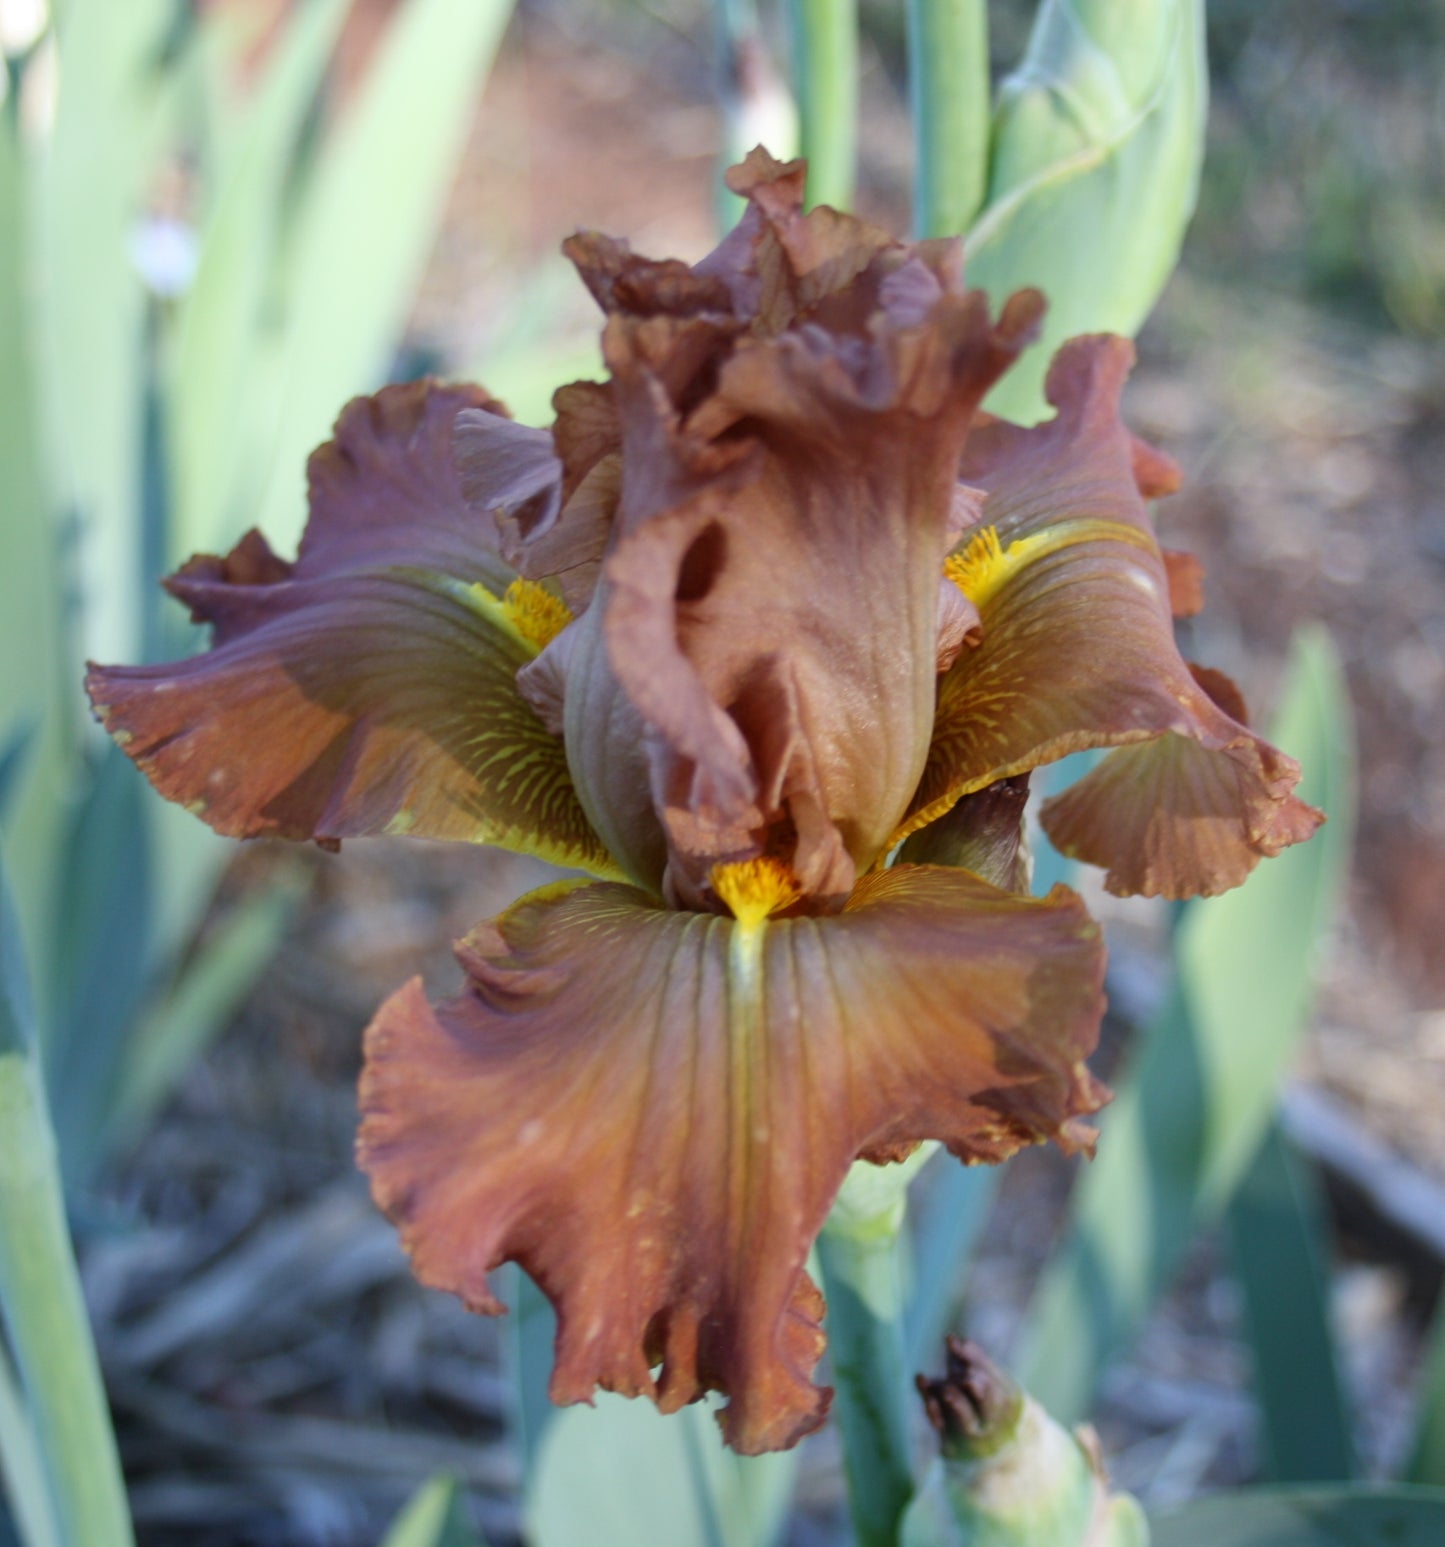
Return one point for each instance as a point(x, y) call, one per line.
point(1170, 807)
point(1077, 651)
point(370, 686)
point(553, 494)
point(1173, 807)
point(792, 414)
point(652, 1111)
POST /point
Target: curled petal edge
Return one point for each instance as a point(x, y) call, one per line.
point(1077, 652)
point(651, 1111)
point(370, 686)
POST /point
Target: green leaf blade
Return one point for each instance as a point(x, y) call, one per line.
point(823, 44)
point(1097, 147)
point(202, 999)
point(212, 410)
point(364, 229)
point(622, 1473)
point(40, 1294)
point(1190, 1113)
point(948, 95)
point(1427, 1456)
point(1277, 1239)
point(1308, 1517)
point(434, 1517)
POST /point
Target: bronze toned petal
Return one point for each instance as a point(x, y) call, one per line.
point(509, 475)
point(770, 597)
point(1155, 473)
point(586, 429)
point(1077, 651)
point(552, 507)
point(1171, 808)
point(607, 743)
point(370, 687)
point(958, 624)
point(1111, 817)
point(569, 555)
point(383, 488)
point(761, 497)
point(652, 1111)
point(1186, 582)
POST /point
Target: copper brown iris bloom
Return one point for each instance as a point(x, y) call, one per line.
point(770, 601)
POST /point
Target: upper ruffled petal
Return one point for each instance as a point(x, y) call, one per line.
point(553, 494)
point(652, 1111)
point(792, 413)
point(370, 686)
point(1077, 650)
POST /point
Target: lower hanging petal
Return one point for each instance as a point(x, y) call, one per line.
point(1174, 812)
point(1077, 651)
point(370, 686)
point(652, 1111)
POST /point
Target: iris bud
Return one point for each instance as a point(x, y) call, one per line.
point(1094, 169)
point(1008, 1475)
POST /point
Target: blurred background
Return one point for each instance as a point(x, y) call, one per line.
point(313, 198)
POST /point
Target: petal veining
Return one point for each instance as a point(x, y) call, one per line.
point(792, 412)
point(370, 686)
point(1076, 650)
point(651, 1111)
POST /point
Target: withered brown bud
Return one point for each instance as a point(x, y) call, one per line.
point(976, 1407)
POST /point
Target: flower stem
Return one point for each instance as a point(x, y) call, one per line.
point(860, 1255)
point(824, 37)
point(948, 91)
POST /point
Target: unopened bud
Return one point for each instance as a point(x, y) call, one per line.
point(1008, 1475)
point(1097, 145)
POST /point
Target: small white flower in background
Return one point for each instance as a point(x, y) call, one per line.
point(21, 23)
point(165, 252)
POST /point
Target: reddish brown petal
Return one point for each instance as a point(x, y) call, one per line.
point(1171, 808)
point(1077, 651)
point(958, 624)
point(570, 554)
point(1186, 582)
point(1155, 473)
point(509, 475)
point(587, 429)
point(770, 595)
point(370, 686)
point(1223, 690)
point(652, 1111)
point(553, 508)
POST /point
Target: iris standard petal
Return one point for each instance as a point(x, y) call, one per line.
point(651, 1111)
point(792, 413)
point(1077, 651)
point(553, 493)
point(370, 686)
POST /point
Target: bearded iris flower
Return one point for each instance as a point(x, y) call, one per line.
point(762, 637)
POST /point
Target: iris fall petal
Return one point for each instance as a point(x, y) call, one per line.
point(370, 686)
point(651, 1111)
point(1077, 651)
